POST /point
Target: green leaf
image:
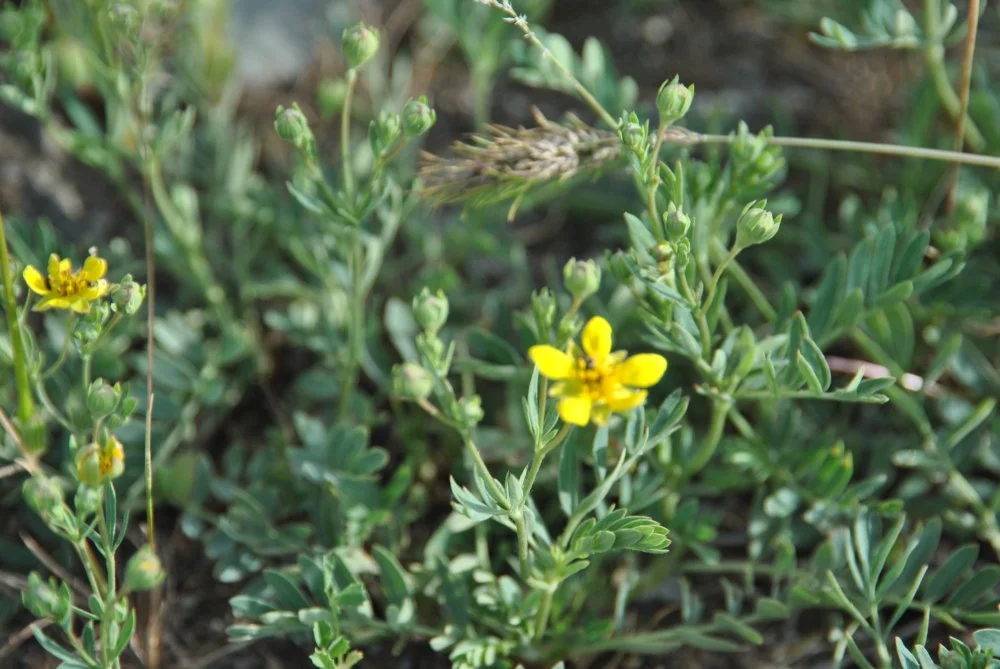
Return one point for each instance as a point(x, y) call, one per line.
point(859, 266)
point(817, 363)
point(828, 296)
point(850, 310)
point(884, 245)
point(981, 585)
point(957, 564)
point(771, 609)
point(668, 415)
point(124, 634)
point(738, 627)
point(782, 503)
point(54, 649)
point(906, 658)
point(912, 256)
point(288, 595)
point(569, 476)
point(393, 575)
point(898, 293)
point(988, 639)
point(640, 235)
point(809, 374)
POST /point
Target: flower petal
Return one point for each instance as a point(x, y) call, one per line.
point(94, 268)
point(600, 414)
point(642, 370)
point(596, 339)
point(552, 363)
point(626, 400)
point(80, 305)
point(575, 410)
point(54, 264)
point(53, 303)
point(35, 280)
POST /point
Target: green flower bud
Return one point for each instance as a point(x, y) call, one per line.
point(756, 225)
point(682, 252)
point(143, 570)
point(87, 501)
point(418, 117)
point(293, 127)
point(88, 465)
point(662, 252)
point(470, 410)
point(633, 134)
point(127, 296)
point(582, 278)
point(384, 131)
point(673, 101)
point(47, 599)
point(676, 223)
point(43, 495)
point(113, 458)
point(71, 60)
point(412, 382)
point(430, 311)
point(33, 435)
point(102, 399)
point(432, 349)
point(618, 265)
point(543, 309)
point(330, 96)
point(360, 44)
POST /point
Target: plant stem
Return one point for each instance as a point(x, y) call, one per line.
point(861, 147)
point(522, 542)
point(25, 403)
point(717, 252)
point(345, 135)
point(356, 325)
point(720, 410)
point(706, 334)
point(539, 456)
point(964, 88)
point(544, 610)
point(714, 284)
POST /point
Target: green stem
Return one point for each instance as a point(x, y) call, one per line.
point(356, 325)
point(720, 411)
point(544, 611)
point(345, 135)
point(63, 351)
point(539, 456)
point(706, 334)
point(86, 357)
point(964, 89)
point(714, 284)
point(484, 471)
point(717, 251)
point(522, 542)
point(25, 404)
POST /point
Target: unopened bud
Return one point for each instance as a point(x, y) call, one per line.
point(127, 296)
point(143, 570)
point(113, 458)
point(471, 410)
point(634, 136)
point(88, 465)
point(673, 101)
point(582, 278)
point(756, 225)
point(360, 44)
point(43, 495)
point(543, 309)
point(411, 382)
point(618, 264)
point(430, 311)
point(418, 117)
point(676, 223)
point(384, 131)
point(293, 127)
point(102, 399)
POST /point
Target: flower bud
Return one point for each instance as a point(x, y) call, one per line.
point(43, 495)
point(293, 127)
point(676, 223)
point(47, 599)
point(384, 131)
point(582, 278)
point(71, 59)
point(88, 465)
point(411, 382)
point(430, 311)
point(127, 296)
point(360, 44)
point(330, 96)
point(143, 570)
point(418, 117)
point(33, 433)
point(543, 309)
point(102, 399)
point(113, 458)
point(756, 225)
point(618, 264)
point(634, 136)
point(470, 410)
point(673, 101)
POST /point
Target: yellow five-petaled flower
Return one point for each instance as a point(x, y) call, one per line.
point(65, 289)
point(594, 382)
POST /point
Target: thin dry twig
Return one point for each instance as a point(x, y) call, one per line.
point(53, 566)
point(964, 88)
point(15, 641)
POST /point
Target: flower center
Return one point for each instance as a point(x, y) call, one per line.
point(592, 377)
point(66, 284)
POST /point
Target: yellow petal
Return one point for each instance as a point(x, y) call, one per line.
point(80, 305)
point(575, 410)
point(94, 268)
point(95, 292)
point(54, 262)
point(626, 400)
point(36, 282)
point(52, 303)
point(642, 370)
point(552, 363)
point(600, 414)
point(65, 266)
point(596, 339)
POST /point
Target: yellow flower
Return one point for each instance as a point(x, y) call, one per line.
point(65, 289)
point(595, 382)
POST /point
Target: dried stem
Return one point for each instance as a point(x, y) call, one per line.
point(964, 88)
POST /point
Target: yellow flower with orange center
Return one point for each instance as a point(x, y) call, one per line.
point(595, 382)
point(63, 288)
